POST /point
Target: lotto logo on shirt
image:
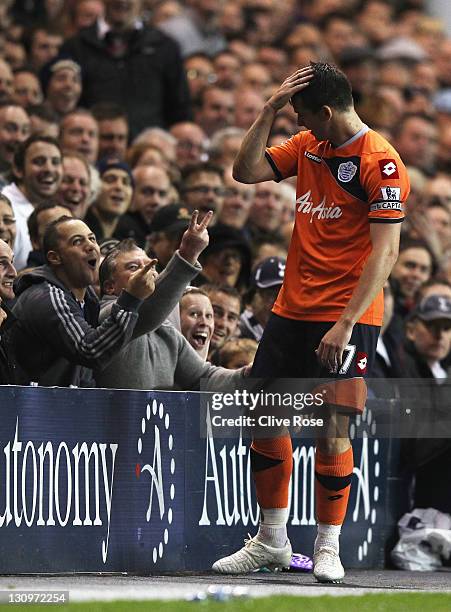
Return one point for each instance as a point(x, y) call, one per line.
point(388, 168)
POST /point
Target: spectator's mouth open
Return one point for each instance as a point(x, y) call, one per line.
point(92, 263)
point(199, 339)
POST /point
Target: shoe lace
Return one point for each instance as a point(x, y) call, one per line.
point(249, 540)
point(329, 553)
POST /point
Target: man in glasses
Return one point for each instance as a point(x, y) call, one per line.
point(203, 189)
point(191, 143)
point(152, 191)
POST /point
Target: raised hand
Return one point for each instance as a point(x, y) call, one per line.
point(297, 81)
point(195, 239)
point(141, 283)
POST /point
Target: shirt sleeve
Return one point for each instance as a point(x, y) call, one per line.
point(283, 158)
point(386, 182)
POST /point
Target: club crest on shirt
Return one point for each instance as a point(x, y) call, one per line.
point(346, 171)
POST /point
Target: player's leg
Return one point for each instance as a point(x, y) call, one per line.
point(334, 461)
point(271, 461)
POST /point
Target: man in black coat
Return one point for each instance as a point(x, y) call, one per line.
point(427, 455)
point(135, 66)
point(7, 275)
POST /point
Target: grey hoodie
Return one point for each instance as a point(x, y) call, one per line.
point(161, 358)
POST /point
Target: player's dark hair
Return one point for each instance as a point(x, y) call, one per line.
point(329, 86)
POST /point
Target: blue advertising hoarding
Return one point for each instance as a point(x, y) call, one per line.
point(99, 480)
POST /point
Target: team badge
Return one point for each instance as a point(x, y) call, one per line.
point(361, 362)
point(346, 171)
point(388, 168)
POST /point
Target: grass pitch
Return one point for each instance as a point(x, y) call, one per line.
point(386, 602)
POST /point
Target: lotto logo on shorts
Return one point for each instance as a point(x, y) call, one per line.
point(388, 168)
point(361, 363)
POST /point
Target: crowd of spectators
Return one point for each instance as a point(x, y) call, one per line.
point(123, 117)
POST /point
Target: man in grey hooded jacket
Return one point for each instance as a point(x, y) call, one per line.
point(157, 358)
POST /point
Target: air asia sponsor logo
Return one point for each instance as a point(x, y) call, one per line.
point(346, 172)
point(385, 206)
point(388, 168)
point(321, 210)
point(391, 193)
point(48, 481)
point(154, 441)
point(313, 157)
point(361, 363)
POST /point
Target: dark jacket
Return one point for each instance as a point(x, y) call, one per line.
point(132, 225)
point(55, 335)
point(149, 82)
point(434, 419)
point(7, 365)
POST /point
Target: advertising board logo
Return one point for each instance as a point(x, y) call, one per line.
point(367, 472)
point(155, 441)
point(50, 484)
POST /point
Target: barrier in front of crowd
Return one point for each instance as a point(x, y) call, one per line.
point(121, 481)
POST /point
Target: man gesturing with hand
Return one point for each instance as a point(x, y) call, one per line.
point(57, 335)
point(351, 186)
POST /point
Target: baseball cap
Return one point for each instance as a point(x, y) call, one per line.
point(432, 308)
point(170, 218)
point(113, 163)
point(269, 273)
point(226, 237)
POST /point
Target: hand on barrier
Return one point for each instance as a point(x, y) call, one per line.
point(195, 239)
point(141, 283)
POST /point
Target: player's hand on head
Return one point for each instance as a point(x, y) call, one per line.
point(297, 81)
point(331, 348)
point(141, 283)
point(195, 239)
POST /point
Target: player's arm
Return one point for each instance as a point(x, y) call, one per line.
point(385, 245)
point(251, 164)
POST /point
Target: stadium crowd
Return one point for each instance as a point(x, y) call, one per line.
point(121, 118)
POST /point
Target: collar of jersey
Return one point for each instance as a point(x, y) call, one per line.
point(356, 136)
